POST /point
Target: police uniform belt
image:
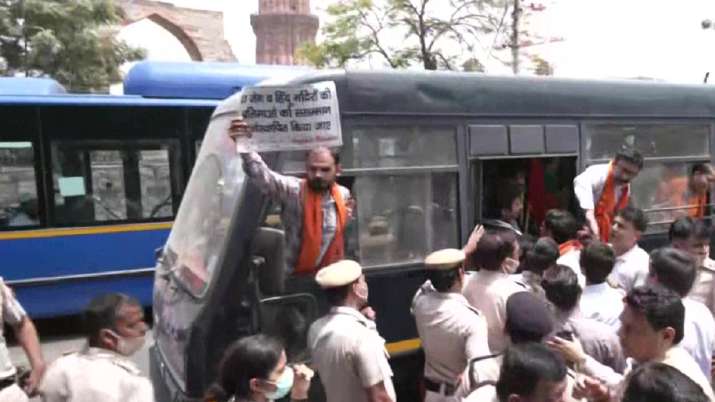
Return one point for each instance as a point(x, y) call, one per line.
point(6, 382)
point(448, 389)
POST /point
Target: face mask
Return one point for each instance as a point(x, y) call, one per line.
point(362, 292)
point(283, 385)
point(128, 346)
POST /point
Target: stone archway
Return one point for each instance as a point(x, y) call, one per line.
point(199, 31)
point(179, 33)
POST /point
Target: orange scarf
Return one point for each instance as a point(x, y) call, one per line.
point(570, 245)
point(696, 205)
point(607, 205)
point(313, 230)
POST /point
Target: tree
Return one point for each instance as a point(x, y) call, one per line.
point(406, 32)
point(71, 41)
point(541, 66)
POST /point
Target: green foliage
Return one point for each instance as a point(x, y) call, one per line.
point(71, 41)
point(541, 66)
point(473, 65)
point(436, 34)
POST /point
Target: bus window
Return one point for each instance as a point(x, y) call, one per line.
point(661, 189)
point(402, 217)
point(18, 199)
point(651, 140)
point(108, 182)
point(520, 191)
point(401, 146)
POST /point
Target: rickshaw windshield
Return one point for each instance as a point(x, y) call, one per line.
point(209, 202)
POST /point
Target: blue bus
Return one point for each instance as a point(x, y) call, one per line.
point(90, 184)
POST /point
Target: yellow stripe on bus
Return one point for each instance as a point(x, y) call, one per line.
point(407, 345)
point(41, 233)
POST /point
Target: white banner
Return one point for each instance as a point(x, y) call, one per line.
point(290, 118)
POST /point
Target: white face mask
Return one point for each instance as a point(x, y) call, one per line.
point(128, 346)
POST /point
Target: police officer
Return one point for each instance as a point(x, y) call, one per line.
point(12, 313)
point(528, 319)
point(346, 349)
point(452, 332)
point(101, 371)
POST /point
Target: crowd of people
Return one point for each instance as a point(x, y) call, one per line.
point(580, 313)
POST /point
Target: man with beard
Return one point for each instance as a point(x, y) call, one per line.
point(315, 210)
point(346, 349)
point(602, 190)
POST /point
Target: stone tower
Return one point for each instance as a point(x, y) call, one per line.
point(281, 27)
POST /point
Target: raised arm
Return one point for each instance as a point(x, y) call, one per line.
point(274, 184)
point(583, 188)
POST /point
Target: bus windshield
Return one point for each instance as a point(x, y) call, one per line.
point(205, 213)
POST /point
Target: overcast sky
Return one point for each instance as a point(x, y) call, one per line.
point(603, 38)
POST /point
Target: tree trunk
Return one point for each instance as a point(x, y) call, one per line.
point(516, 14)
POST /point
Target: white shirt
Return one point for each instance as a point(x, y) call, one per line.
point(699, 333)
point(488, 291)
point(572, 259)
point(631, 268)
point(602, 303)
point(675, 357)
point(93, 375)
point(588, 186)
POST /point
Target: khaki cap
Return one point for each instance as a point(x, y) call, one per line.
point(445, 259)
point(341, 273)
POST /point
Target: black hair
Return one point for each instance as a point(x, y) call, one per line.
point(597, 261)
point(630, 155)
point(333, 152)
point(635, 216)
point(493, 248)
point(699, 168)
point(506, 195)
point(663, 383)
point(686, 227)
point(524, 366)
point(254, 356)
point(675, 269)
point(336, 296)
point(526, 243)
point(102, 312)
point(561, 286)
point(561, 224)
point(542, 256)
point(661, 306)
point(443, 280)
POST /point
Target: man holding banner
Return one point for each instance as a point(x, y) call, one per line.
point(315, 210)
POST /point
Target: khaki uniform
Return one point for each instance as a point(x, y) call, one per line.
point(488, 291)
point(349, 355)
point(94, 375)
point(704, 288)
point(12, 313)
point(452, 333)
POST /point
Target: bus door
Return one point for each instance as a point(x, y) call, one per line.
point(519, 171)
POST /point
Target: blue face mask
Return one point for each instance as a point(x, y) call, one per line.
point(283, 385)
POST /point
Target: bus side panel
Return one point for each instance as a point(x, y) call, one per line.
point(40, 270)
point(391, 295)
